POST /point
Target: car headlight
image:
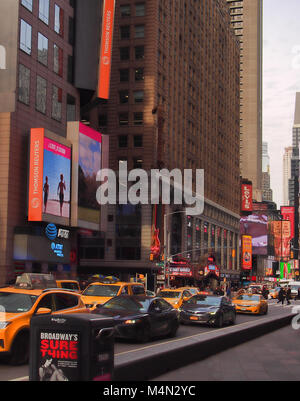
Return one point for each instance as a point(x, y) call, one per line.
point(3, 325)
point(212, 313)
point(130, 321)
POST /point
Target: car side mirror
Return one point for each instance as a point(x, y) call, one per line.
point(43, 311)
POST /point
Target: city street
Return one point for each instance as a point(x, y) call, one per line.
point(123, 347)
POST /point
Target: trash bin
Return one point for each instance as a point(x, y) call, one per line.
point(74, 347)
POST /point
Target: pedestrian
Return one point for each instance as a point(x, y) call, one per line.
point(288, 295)
point(265, 292)
point(228, 292)
point(281, 295)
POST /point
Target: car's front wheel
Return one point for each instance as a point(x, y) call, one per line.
point(143, 334)
point(19, 354)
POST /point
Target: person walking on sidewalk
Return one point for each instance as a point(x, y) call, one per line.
point(288, 295)
point(281, 296)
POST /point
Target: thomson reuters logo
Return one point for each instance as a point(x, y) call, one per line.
point(105, 60)
point(35, 203)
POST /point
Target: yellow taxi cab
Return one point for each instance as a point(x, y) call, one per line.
point(250, 303)
point(98, 293)
point(32, 294)
point(68, 285)
point(192, 290)
point(175, 297)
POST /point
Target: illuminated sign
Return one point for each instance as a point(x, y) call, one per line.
point(106, 48)
point(246, 252)
point(288, 213)
point(246, 198)
point(49, 177)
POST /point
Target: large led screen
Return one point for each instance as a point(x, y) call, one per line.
point(56, 179)
point(49, 177)
point(89, 163)
point(256, 225)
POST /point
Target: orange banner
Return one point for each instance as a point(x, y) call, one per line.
point(35, 196)
point(106, 49)
point(246, 252)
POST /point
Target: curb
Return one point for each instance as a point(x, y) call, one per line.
point(176, 354)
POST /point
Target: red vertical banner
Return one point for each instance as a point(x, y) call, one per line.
point(247, 205)
point(288, 213)
point(35, 196)
point(106, 49)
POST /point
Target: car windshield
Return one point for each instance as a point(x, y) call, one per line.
point(248, 298)
point(169, 294)
point(204, 300)
point(16, 303)
point(295, 287)
point(101, 291)
point(193, 291)
point(129, 304)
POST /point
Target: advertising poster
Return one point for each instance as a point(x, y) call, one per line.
point(281, 230)
point(246, 252)
point(58, 356)
point(89, 163)
point(288, 213)
point(256, 226)
point(56, 178)
point(285, 270)
point(49, 176)
point(106, 48)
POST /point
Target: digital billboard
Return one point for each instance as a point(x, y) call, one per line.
point(281, 236)
point(288, 213)
point(49, 176)
point(246, 252)
point(256, 226)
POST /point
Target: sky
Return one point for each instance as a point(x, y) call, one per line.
point(281, 81)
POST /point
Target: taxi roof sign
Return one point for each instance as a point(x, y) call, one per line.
point(35, 281)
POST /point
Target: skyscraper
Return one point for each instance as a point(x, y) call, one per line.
point(287, 157)
point(246, 19)
point(267, 193)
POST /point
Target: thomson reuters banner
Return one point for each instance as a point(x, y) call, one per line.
point(246, 198)
point(246, 252)
point(106, 48)
point(35, 198)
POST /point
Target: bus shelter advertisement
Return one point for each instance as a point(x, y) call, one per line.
point(58, 356)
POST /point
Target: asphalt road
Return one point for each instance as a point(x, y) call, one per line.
point(20, 373)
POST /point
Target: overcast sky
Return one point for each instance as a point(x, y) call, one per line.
point(281, 81)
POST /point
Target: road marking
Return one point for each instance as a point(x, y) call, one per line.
point(19, 379)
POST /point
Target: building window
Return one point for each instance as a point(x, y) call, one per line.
point(24, 84)
point(125, 10)
point(138, 141)
point(123, 141)
point(71, 108)
point(140, 10)
point(125, 31)
point(124, 96)
point(138, 118)
point(139, 52)
point(137, 163)
point(27, 4)
point(56, 103)
point(124, 53)
point(59, 20)
point(123, 119)
point(58, 60)
point(138, 96)
point(139, 74)
point(70, 69)
point(42, 49)
point(41, 94)
point(44, 11)
point(102, 120)
point(25, 37)
point(124, 75)
point(71, 31)
point(139, 31)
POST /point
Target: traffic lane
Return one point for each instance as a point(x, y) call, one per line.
point(20, 373)
point(122, 346)
point(272, 357)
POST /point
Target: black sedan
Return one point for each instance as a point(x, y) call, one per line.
point(141, 317)
point(207, 309)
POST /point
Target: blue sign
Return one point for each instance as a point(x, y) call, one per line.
point(57, 249)
point(51, 231)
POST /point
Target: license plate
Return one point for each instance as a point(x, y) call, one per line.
point(193, 318)
point(243, 308)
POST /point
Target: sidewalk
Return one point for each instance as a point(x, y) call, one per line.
point(273, 357)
